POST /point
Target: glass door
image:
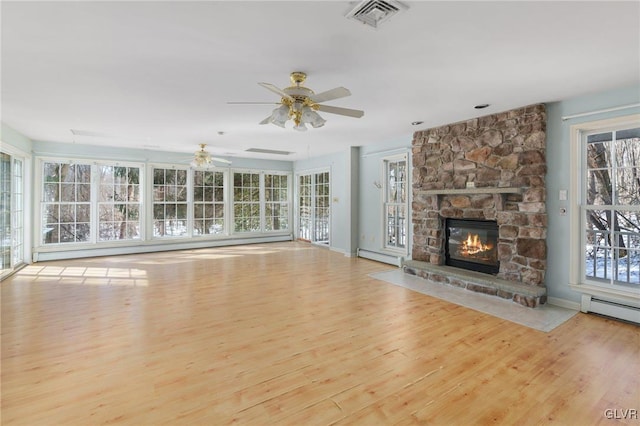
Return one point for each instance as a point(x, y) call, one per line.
point(314, 207)
point(11, 213)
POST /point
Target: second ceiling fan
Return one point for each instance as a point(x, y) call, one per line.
point(300, 104)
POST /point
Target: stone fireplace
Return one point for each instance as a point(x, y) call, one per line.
point(488, 169)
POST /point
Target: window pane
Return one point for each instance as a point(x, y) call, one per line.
point(83, 212)
point(628, 186)
point(51, 192)
point(51, 172)
point(158, 176)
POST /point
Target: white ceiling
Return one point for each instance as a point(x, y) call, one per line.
point(158, 75)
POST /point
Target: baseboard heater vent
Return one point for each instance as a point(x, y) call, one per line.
point(610, 309)
point(391, 259)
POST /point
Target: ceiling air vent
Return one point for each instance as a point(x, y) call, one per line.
point(375, 12)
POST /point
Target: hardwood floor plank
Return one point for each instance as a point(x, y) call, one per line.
point(288, 333)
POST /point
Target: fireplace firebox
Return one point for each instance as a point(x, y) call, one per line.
point(472, 245)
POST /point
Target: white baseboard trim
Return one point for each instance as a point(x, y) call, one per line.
point(390, 258)
point(610, 308)
point(150, 248)
point(563, 303)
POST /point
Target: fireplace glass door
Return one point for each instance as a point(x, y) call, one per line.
point(472, 244)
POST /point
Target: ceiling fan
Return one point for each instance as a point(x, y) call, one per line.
point(202, 158)
point(299, 103)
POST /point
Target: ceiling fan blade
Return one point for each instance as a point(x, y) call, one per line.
point(275, 90)
point(337, 93)
point(356, 113)
point(253, 103)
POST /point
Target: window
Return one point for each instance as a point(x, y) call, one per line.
point(261, 202)
point(276, 195)
point(610, 212)
point(118, 203)
point(66, 203)
point(169, 202)
point(314, 207)
point(208, 202)
point(246, 202)
point(395, 202)
point(100, 203)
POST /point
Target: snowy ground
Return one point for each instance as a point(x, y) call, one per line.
point(604, 268)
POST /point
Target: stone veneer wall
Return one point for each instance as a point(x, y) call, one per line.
point(504, 150)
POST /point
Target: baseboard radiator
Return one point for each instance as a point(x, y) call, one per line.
point(610, 309)
point(391, 259)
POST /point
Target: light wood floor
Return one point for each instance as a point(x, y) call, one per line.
point(289, 334)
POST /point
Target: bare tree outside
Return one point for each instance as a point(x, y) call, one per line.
point(119, 203)
point(66, 203)
point(612, 199)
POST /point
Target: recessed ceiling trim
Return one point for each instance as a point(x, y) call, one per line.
point(268, 151)
point(76, 132)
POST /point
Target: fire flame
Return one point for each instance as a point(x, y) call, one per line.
point(473, 245)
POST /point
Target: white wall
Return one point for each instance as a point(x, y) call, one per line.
point(558, 175)
point(16, 140)
point(129, 154)
point(371, 230)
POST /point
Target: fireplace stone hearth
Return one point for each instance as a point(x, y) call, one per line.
point(523, 294)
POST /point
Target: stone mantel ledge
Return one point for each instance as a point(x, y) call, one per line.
point(471, 191)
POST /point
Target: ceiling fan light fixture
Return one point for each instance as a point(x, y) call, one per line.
point(280, 115)
point(300, 127)
point(312, 117)
point(201, 158)
point(196, 163)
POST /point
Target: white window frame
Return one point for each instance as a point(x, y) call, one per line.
point(128, 203)
point(151, 203)
point(385, 161)
point(92, 222)
point(94, 241)
point(225, 202)
point(262, 202)
point(287, 201)
point(577, 276)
